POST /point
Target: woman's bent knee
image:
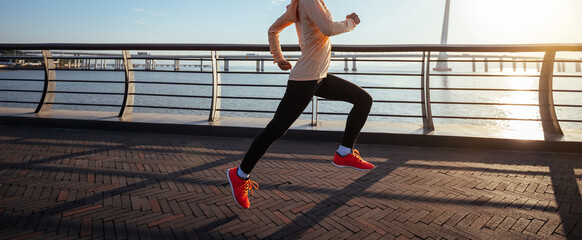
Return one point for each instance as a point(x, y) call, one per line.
point(365, 99)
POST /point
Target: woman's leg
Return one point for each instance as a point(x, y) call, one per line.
point(336, 88)
point(296, 98)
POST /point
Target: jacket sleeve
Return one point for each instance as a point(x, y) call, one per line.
point(317, 13)
point(274, 30)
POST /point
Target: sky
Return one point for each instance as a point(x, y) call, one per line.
point(247, 21)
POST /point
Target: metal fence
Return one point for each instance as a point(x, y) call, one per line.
point(431, 62)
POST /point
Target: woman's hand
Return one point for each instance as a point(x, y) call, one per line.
point(284, 65)
point(354, 17)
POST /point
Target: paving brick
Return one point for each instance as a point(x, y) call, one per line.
point(431, 216)
point(507, 223)
point(370, 225)
point(521, 224)
point(444, 217)
point(481, 221)
point(534, 226)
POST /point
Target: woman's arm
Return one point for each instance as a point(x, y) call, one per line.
point(274, 30)
point(316, 11)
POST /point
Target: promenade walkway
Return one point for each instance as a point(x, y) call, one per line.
point(69, 184)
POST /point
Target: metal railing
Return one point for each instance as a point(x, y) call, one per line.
point(424, 55)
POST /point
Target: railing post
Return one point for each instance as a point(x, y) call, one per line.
point(427, 121)
point(314, 111)
point(128, 96)
point(48, 92)
point(548, 116)
point(215, 104)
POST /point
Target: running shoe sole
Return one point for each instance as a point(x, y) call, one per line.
point(359, 169)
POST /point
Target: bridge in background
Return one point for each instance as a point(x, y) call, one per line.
point(93, 60)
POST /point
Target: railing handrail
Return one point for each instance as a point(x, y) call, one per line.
point(265, 47)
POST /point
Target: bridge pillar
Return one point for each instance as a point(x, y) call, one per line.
point(354, 68)
point(500, 64)
point(525, 66)
point(578, 67)
point(474, 65)
point(514, 65)
point(177, 65)
point(486, 64)
point(346, 64)
point(262, 65)
point(226, 65)
point(442, 66)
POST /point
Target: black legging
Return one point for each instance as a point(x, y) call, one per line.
point(296, 98)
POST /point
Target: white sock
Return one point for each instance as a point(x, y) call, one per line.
point(242, 174)
point(344, 151)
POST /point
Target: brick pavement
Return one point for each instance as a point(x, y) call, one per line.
point(62, 183)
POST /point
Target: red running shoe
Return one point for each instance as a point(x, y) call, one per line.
point(240, 188)
point(352, 160)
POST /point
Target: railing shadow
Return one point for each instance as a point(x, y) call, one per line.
point(332, 203)
point(561, 171)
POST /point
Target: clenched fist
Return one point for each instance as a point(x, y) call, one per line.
point(354, 17)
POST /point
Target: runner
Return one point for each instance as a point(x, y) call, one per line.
point(309, 77)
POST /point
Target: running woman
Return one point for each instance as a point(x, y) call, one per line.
point(309, 77)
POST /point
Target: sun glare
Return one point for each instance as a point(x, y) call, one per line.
point(520, 129)
point(511, 21)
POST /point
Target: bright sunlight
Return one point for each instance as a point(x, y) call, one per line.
point(512, 21)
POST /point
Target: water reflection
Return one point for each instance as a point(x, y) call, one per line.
point(520, 129)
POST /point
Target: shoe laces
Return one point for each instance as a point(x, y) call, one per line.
point(249, 185)
point(356, 154)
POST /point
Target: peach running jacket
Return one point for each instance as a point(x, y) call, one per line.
point(314, 25)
